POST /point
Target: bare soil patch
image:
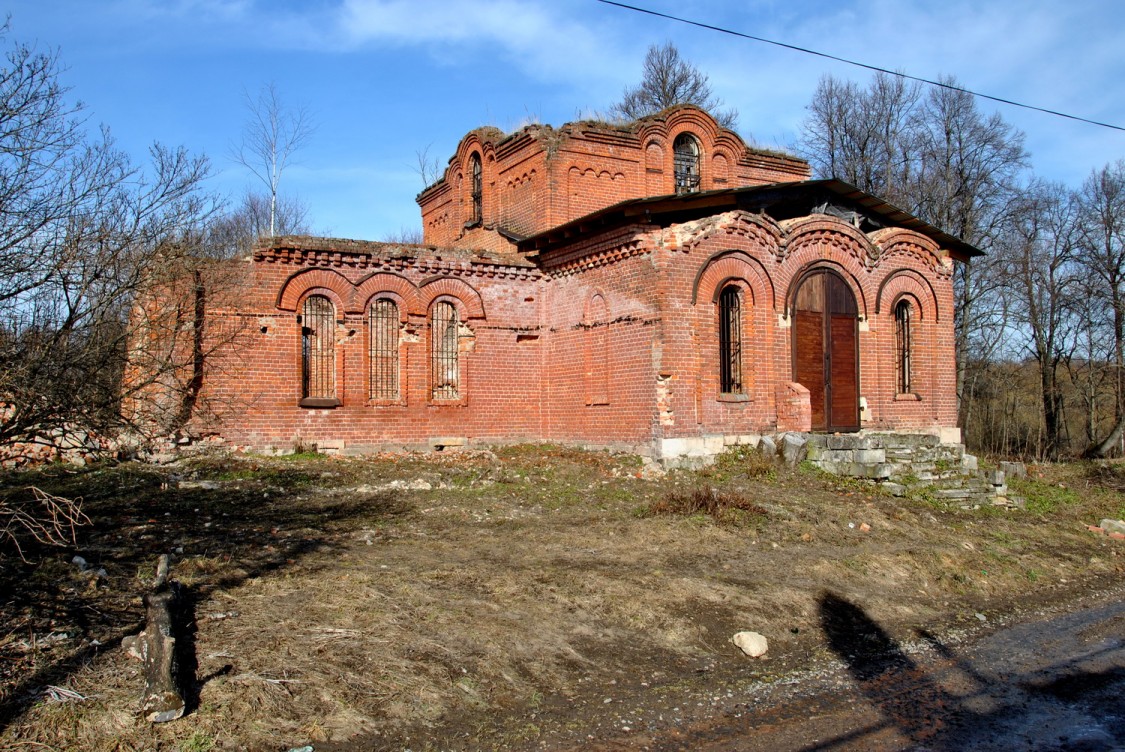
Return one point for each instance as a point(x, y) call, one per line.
point(535, 597)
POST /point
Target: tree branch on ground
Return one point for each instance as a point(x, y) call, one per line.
point(48, 519)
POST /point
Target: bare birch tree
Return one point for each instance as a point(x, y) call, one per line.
point(272, 135)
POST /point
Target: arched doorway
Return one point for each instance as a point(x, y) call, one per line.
point(826, 349)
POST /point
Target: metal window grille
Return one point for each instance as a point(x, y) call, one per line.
point(384, 328)
point(318, 348)
point(685, 161)
point(730, 341)
point(903, 316)
point(478, 190)
point(444, 365)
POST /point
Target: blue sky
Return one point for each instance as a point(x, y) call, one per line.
point(387, 79)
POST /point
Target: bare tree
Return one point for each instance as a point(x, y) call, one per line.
point(866, 138)
point(938, 157)
point(272, 135)
point(236, 230)
point(80, 229)
point(1039, 249)
point(405, 236)
point(1103, 254)
point(667, 79)
point(428, 168)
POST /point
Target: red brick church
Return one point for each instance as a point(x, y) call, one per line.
point(658, 286)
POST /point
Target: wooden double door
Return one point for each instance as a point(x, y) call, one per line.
point(826, 349)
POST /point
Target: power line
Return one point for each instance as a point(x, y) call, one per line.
point(876, 68)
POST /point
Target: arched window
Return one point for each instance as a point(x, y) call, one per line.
point(730, 341)
point(685, 163)
point(903, 317)
point(444, 356)
point(477, 190)
point(384, 328)
point(596, 351)
point(318, 352)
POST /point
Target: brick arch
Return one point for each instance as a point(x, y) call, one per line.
point(296, 287)
point(895, 242)
point(482, 140)
point(755, 228)
point(378, 282)
point(823, 230)
point(908, 282)
point(843, 271)
point(434, 287)
point(324, 292)
point(590, 310)
point(668, 124)
point(720, 167)
point(911, 298)
point(727, 265)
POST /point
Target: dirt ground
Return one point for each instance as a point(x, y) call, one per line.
point(528, 598)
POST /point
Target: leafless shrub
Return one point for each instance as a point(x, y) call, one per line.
point(723, 506)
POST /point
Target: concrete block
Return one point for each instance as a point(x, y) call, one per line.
point(672, 448)
point(768, 447)
point(949, 435)
point(1014, 469)
point(710, 445)
point(793, 448)
point(870, 456)
point(879, 471)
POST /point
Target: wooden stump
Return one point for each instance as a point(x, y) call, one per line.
point(156, 647)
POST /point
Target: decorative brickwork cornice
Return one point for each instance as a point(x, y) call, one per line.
point(603, 250)
point(388, 257)
point(825, 230)
point(897, 242)
point(759, 228)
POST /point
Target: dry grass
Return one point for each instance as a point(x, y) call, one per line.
point(487, 601)
point(722, 507)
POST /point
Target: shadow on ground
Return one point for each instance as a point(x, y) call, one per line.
point(224, 524)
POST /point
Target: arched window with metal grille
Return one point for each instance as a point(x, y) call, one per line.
point(383, 325)
point(477, 190)
point(685, 163)
point(445, 371)
point(318, 352)
point(904, 316)
point(730, 340)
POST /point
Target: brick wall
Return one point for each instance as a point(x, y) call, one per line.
point(612, 340)
point(606, 336)
point(541, 177)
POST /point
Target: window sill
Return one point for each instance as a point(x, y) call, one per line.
point(734, 397)
point(386, 403)
point(461, 402)
point(320, 402)
point(908, 397)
